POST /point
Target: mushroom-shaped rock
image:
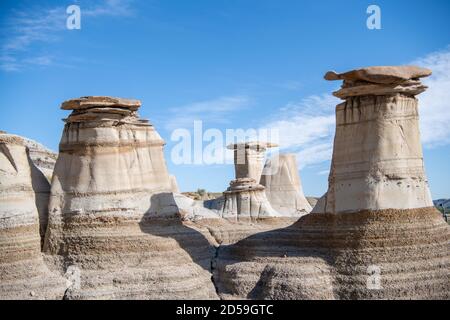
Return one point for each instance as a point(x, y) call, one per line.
point(375, 234)
point(113, 214)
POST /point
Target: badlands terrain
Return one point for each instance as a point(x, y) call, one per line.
point(104, 219)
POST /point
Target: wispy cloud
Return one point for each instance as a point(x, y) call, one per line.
point(307, 128)
point(37, 25)
point(210, 111)
point(111, 8)
point(435, 102)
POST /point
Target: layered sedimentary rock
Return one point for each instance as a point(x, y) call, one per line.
point(42, 164)
point(43, 158)
point(246, 198)
point(374, 234)
point(249, 158)
point(113, 216)
point(283, 186)
point(23, 274)
point(377, 157)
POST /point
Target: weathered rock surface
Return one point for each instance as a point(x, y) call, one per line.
point(249, 158)
point(374, 234)
point(380, 74)
point(43, 163)
point(246, 198)
point(377, 156)
point(23, 274)
point(312, 201)
point(341, 256)
point(43, 158)
point(283, 187)
point(113, 215)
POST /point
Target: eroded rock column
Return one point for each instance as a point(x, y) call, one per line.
point(246, 198)
point(113, 216)
point(283, 186)
point(23, 273)
point(377, 156)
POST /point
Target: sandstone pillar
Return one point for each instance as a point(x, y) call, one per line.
point(375, 234)
point(283, 186)
point(245, 198)
point(377, 156)
point(112, 213)
point(23, 273)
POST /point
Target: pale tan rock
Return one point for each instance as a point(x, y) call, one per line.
point(23, 273)
point(381, 74)
point(371, 236)
point(43, 162)
point(377, 157)
point(43, 158)
point(249, 158)
point(312, 201)
point(174, 184)
point(283, 188)
point(100, 101)
point(246, 198)
point(113, 215)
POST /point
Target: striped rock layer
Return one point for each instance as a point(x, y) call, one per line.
point(245, 200)
point(387, 254)
point(23, 273)
point(375, 233)
point(113, 219)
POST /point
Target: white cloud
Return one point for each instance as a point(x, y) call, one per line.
point(211, 111)
point(307, 128)
point(434, 103)
point(37, 24)
point(110, 8)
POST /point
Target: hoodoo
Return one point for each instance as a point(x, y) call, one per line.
point(375, 233)
point(245, 198)
point(283, 186)
point(112, 213)
point(23, 273)
point(377, 157)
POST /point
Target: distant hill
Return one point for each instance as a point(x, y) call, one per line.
point(442, 204)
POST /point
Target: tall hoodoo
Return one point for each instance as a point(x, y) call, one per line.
point(112, 213)
point(23, 273)
point(249, 158)
point(283, 186)
point(245, 198)
point(377, 155)
point(375, 234)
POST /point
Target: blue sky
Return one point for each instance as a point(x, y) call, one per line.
point(233, 64)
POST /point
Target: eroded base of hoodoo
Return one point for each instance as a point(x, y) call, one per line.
point(386, 254)
point(120, 258)
point(245, 200)
point(23, 273)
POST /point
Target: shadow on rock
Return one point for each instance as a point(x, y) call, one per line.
point(165, 219)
